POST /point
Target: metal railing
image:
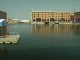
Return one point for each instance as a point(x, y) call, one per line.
point(2, 36)
point(8, 39)
point(10, 33)
point(13, 33)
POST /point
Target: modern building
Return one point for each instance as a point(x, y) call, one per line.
point(3, 15)
point(48, 16)
point(77, 17)
point(3, 22)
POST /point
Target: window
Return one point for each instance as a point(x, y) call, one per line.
point(52, 16)
point(58, 13)
point(52, 13)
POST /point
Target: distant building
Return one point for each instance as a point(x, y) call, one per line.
point(72, 17)
point(25, 21)
point(77, 17)
point(9, 19)
point(15, 20)
point(3, 15)
point(41, 16)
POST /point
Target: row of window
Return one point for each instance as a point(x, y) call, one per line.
point(49, 13)
point(53, 20)
point(50, 16)
point(58, 18)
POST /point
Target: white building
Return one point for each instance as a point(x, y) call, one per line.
point(15, 20)
point(25, 21)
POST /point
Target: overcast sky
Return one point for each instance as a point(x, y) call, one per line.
point(21, 9)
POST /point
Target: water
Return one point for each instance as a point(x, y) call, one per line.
point(43, 42)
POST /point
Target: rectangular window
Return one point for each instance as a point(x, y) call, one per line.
point(52, 16)
point(52, 13)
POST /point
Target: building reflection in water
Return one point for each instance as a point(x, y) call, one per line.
point(56, 29)
point(3, 51)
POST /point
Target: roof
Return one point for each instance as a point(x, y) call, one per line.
point(1, 20)
point(51, 11)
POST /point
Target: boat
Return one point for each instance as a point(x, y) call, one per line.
point(51, 23)
point(34, 23)
point(57, 22)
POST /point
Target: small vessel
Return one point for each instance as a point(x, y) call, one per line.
point(34, 23)
point(57, 22)
point(51, 23)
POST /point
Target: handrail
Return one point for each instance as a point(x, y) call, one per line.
point(10, 33)
point(13, 33)
point(2, 36)
point(6, 39)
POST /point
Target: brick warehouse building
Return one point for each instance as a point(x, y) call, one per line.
point(77, 17)
point(3, 15)
point(48, 16)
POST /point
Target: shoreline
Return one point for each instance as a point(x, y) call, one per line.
point(44, 23)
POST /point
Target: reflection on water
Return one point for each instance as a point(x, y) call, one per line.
point(3, 30)
point(43, 42)
point(3, 51)
point(55, 29)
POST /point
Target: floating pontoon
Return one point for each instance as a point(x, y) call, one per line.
point(13, 38)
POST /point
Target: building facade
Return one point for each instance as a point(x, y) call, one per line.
point(48, 16)
point(3, 15)
point(77, 17)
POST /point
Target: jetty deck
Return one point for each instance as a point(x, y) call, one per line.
point(13, 38)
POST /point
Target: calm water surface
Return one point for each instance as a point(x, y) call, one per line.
point(43, 42)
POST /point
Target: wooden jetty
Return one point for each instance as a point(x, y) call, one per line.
point(13, 38)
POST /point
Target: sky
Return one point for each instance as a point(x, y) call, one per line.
point(21, 9)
